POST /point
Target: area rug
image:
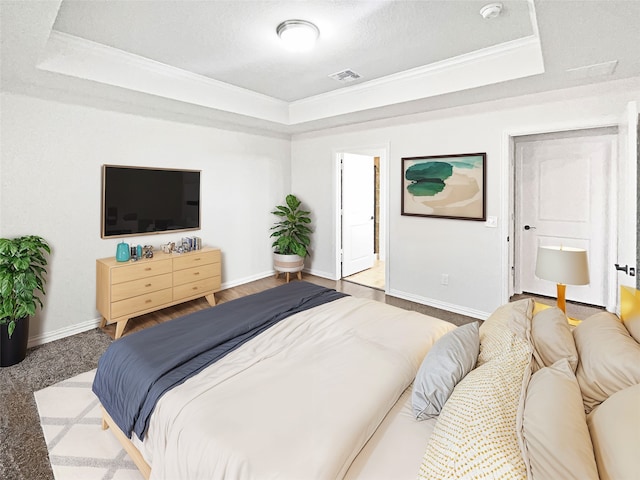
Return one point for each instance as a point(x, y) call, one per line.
point(78, 447)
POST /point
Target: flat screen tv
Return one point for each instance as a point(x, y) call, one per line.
point(142, 201)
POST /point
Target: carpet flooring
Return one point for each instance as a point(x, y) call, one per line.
point(23, 450)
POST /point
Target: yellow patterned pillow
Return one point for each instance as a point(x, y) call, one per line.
point(477, 432)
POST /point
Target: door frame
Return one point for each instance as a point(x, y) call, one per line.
point(374, 150)
point(508, 202)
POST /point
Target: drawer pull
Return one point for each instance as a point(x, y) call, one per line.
point(148, 285)
point(148, 269)
point(197, 259)
point(194, 288)
point(196, 273)
point(147, 301)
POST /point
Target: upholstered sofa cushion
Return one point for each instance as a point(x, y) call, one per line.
point(555, 427)
point(609, 358)
point(449, 360)
point(615, 432)
point(552, 338)
point(633, 326)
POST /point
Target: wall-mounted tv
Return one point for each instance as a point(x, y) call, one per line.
point(141, 200)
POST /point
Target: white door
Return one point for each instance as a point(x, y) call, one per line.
point(561, 199)
point(358, 206)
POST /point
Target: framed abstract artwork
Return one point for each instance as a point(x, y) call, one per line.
point(445, 186)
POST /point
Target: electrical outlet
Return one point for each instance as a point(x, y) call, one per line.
point(444, 279)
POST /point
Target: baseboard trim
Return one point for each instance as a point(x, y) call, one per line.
point(242, 281)
point(63, 332)
point(320, 273)
point(441, 305)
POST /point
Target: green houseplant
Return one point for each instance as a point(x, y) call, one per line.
point(291, 232)
point(22, 278)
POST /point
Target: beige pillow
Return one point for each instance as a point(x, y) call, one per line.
point(515, 317)
point(615, 432)
point(552, 338)
point(555, 426)
point(609, 358)
point(633, 327)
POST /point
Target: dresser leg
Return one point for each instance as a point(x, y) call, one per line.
point(211, 298)
point(120, 326)
point(103, 322)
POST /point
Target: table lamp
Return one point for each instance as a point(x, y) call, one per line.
point(563, 265)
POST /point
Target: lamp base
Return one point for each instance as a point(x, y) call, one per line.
point(562, 304)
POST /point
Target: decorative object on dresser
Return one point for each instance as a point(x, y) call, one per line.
point(127, 290)
point(292, 237)
point(22, 262)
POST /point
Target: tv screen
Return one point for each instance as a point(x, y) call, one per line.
point(139, 200)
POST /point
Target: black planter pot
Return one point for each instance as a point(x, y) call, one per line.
point(13, 350)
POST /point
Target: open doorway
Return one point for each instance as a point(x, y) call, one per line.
point(362, 217)
point(562, 186)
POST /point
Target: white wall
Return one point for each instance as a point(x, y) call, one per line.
point(420, 250)
point(51, 186)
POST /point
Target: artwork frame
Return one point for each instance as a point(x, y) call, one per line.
point(444, 186)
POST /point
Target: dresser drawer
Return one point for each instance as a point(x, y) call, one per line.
point(122, 291)
point(196, 259)
point(187, 275)
point(193, 289)
point(138, 304)
point(142, 269)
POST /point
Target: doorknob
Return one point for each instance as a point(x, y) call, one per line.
point(528, 227)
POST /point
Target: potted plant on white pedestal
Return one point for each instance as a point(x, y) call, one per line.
point(22, 271)
point(291, 234)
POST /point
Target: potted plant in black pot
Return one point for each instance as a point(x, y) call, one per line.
point(291, 234)
point(22, 262)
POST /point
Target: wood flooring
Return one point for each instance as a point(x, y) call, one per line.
point(144, 321)
point(372, 277)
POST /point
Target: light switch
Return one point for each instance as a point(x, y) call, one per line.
point(492, 222)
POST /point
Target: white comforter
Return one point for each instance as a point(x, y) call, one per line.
point(297, 402)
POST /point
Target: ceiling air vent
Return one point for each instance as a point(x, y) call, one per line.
point(345, 76)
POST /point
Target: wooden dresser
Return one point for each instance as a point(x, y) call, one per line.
point(128, 289)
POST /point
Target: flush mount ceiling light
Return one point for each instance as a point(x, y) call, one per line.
point(298, 35)
point(491, 10)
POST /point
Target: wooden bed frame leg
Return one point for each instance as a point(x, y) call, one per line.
point(288, 277)
point(129, 447)
point(300, 275)
point(105, 425)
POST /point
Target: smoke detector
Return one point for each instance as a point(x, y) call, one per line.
point(491, 10)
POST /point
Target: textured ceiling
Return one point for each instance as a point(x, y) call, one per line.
point(219, 63)
point(236, 42)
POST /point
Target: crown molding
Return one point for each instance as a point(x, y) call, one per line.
point(507, 61)
point(78, 57)
point(73, 56)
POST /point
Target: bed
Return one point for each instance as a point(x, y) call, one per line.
point(335, 391)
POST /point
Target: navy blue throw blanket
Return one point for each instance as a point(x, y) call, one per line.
point(136, 370)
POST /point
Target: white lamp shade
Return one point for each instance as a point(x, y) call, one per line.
point(563, 265)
